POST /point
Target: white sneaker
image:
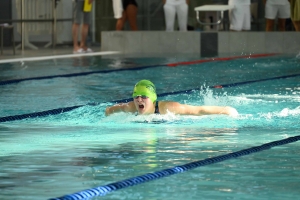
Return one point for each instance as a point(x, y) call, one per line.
point(88, 50)
point(78, 51)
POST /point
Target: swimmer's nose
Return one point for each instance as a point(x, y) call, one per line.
point(139, 98)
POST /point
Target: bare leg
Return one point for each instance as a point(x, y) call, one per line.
point(281, 24)
point(131, 13)
point(84, 33)
point(270, 24)
point(75, 36)
point(121, 22)
point(297, 25)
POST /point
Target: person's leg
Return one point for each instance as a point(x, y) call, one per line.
point(75, 37)
point(236, 16)
point(131, 13)
point(297, 25)
point(121, 22)
point(246, 26)
point(270, 24)
point(284, 12)
point(169, 16)
point(281, 24)
point(182, 14)
point(270, 15)
point(77, 12)
point(85, 30)
point(84, 33)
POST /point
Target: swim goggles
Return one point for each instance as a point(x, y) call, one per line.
point(142, 96)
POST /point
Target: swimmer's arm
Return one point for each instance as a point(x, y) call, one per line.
point(183, 109)
point(219, 110)
point(122, 107)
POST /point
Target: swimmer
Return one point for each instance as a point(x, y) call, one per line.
point(144, 102)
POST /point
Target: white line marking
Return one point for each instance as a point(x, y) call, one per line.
point(58, 56)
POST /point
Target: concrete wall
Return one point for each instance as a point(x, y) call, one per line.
point(203, 43)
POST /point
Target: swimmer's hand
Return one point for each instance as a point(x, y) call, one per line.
point(231, 111)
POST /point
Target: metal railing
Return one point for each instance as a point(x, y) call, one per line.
point(28, 12)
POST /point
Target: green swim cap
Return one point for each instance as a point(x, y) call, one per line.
point(145, 88)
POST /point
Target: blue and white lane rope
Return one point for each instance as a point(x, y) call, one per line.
point(103, 190)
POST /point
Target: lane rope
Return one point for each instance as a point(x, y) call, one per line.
point(66, 109)
point(13, 81)
point(220, 59)
point(103, 190)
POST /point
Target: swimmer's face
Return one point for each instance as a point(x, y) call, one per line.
point(143, 105)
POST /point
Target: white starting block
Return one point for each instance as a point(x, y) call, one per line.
point(212, 8)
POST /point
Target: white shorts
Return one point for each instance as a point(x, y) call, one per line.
point(240, 18)
point(118, 8)
point(175, 2)
point(282, 11)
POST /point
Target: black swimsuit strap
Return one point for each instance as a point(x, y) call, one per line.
point(156, 108)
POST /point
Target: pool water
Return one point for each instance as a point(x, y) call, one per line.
point(55, 155)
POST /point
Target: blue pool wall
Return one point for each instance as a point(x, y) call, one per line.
point(201, 43)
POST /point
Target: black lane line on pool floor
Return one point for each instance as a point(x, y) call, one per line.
point(7, 82)
point(13, 81)
point(66, 109)
point(103, 190)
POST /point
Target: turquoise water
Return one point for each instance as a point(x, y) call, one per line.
point(55, 155)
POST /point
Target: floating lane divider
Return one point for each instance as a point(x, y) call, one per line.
point(220, 59)
point(103, 190)
point(13, 81)
point(254, 81)
point(228, 85)
point(66, 109)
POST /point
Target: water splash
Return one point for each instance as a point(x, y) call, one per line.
point(289, 112)
point(286, 112)
point(125, 118)
point(298, 56)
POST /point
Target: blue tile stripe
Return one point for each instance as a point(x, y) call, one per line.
point(13, 81)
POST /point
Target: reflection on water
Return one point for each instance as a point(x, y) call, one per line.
point(55, 155)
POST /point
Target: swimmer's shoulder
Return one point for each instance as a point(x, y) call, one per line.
point(127, 107)
point(164, 106)
point(130, 107)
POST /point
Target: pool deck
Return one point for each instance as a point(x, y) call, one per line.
point(42, 51)
point(206, 44)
